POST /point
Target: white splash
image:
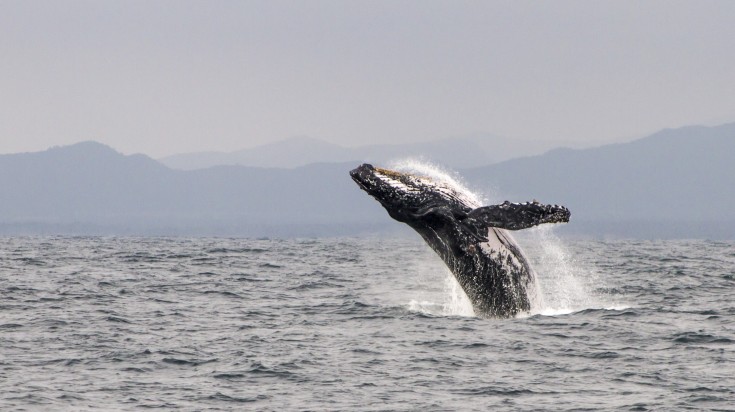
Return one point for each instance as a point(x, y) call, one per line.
point(456, 302)
point(437, 174)
point(452, 301)
point(563, 285)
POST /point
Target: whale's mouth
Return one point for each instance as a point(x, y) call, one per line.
point(394, 190)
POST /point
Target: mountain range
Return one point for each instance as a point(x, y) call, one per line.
point(459, 152)
point(675, 183)
point(89, 188)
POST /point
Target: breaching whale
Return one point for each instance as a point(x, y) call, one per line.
point(473, 242)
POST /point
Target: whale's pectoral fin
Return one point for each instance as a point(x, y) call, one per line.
point(515, 216)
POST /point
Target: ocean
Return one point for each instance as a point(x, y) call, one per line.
point(374, 324)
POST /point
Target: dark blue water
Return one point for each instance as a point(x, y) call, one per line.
point(359, 324)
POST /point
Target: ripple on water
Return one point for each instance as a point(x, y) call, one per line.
point(342, 324)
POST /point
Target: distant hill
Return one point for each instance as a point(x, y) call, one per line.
point(675, 183)
point(466, 151)
point(89, 188)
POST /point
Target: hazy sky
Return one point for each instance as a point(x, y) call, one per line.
point(164, 77)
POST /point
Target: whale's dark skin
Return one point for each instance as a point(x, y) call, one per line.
point(472, 241)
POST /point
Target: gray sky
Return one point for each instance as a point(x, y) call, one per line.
point(164, 77)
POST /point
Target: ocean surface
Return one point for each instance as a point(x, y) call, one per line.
point(94, 323)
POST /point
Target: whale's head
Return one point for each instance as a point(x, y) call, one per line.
point(407, 196)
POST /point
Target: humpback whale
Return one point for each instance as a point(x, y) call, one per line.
point(473, 241)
